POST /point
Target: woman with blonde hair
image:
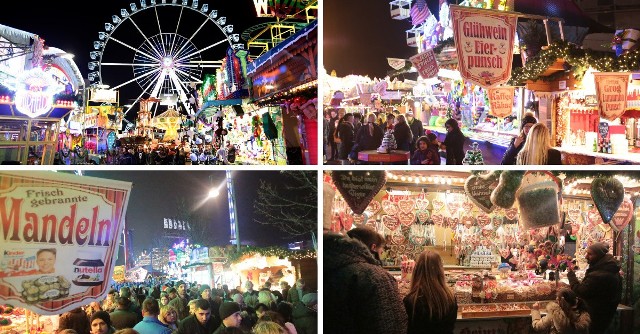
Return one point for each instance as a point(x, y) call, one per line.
point(537, 149)
point(430, 303)
point(169, 317)
point(268, 327)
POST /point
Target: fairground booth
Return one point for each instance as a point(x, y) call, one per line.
point(506, 237)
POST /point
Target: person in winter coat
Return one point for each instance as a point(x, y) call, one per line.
point(305, 314)
point(427, 151)
point(346, 134)
point(364, 297)
point(517, 143)
point(453, 142)
point(402, 133)
point(601, 287)
point(417, 129)
point(568, 314)
point(75, 319)
point(368, 137)
point(430, 303)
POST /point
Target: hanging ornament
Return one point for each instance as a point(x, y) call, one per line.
point(607, 194)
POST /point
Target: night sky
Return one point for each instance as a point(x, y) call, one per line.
point(73, 26)
point(154, 193)
point(359, 35)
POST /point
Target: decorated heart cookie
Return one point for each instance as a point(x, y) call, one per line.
point(358, 219)
point(358, 188)
point(453, 207)
point(406, 205)
point(397, 238)
point(467, 206)
point(406, 219)
point(437, 219)
point(483, 220)
point(479, 189)
point(574, 215)
point(511, 214)
point(623, 216)
point(390, 222)
point(593, 217)
point(437, 205)
point(422, 204)
point(607, 194)
point(467, 221)
point(389, 207)
point(373, 208)
point(423, 216)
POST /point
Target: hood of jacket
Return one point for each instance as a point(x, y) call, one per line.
point(340, 251)
point(563, 324)
point(606, 263)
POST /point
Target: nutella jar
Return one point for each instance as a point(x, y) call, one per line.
point(88, 271)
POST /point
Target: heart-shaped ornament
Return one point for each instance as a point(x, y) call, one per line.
point(358, 188)
point(402, 249)
point(347, 221)
point(607, 194)
point(453, 207)
point(437, 219)
point(406, 205)
point(483, 220)
point(593, 217)
point(511, 214)
point(467, 206)
point(574, 215)
point(423, 216)
point(479, 189)
point(467, 221)
point(336, 225)
point(358, 219)
point(390, 222)
point(406, 219)
point(437, 204)
point(389, 207)
point(418, 240)
point(371, 222)
point(373, 208)
point(623, 216)
point(398, 238)
point(422, 204)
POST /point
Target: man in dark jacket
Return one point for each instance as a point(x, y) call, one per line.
point(403, 134)
point(601, 287)
point(231, 316)
point(417, 130)
point(200, 322)
point(122, 317)
point(75, 319)
point(357, 279)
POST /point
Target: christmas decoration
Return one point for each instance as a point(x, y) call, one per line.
point(275, 251)
point(473, 156)
point(538, 200)
point(388, 142)
point(607, 194)
point(504, 195)
point(478, 188)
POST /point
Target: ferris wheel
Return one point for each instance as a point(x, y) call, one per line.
point(159, 50)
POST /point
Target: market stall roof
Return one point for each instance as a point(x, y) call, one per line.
point(270, 56)
point(16, 36)
point(67, 65)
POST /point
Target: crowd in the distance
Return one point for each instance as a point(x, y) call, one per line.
point(180, 308)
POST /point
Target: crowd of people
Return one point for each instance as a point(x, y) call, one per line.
point(183, 308)
point(353, 269)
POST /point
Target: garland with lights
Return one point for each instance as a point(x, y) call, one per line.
point(579, 59)
point(272, 251)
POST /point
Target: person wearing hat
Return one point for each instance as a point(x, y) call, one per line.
point(517, 143)
point(601, 287)
point(101, 323)
point(200, 322)
point(230, 315)
point(181, 302)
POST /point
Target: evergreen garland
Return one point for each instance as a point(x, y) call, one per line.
point(237, 256)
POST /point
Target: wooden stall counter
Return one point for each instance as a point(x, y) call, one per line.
point(373, 156)
point(582, 156)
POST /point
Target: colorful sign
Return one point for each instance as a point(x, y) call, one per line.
point(118, 273)
point(59, 239)
point(501, 100)
point(426, 64)
point(291, 9)
point(484, 39)
point(34, 92)
point(611, 89)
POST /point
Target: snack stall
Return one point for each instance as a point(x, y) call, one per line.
point(506, 237)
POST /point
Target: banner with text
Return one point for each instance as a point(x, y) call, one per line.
point(60, 236)
point(426, 64)
point(501, 100)
point(484, 41)
point(611, 89)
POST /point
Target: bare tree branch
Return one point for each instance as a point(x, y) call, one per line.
point(292, 208)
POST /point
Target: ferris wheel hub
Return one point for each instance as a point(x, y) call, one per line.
point(167, 62)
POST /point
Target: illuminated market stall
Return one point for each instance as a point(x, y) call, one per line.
point(478, 221)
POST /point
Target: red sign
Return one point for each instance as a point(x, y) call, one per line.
point(426, 64)
point(484, 42)
point(59, 239)
point(501, 100)
point(611, 89)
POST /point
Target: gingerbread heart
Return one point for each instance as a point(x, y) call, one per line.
point(398, 238)
point(437, 219)
point(487, 232)
point(346, 220)
point(423, 216)
point(467, 221)
point(358, 188)
point(511, 214)
point(373, 208)
point(418, 240)
point(437, 205)
point(390, 222)
point(453, 207)
point(593, 217)
point(358, 219)
point(389, 207)
point(406, 205)
point(402, 249)
point(406, 219)
point(371, 222)
point(574, 215)
point(478, 189)
point(467, 206)
point(452, 223)
point(422, 204)
point(623, 216)
point(607, 194)
point(335, 223)
point(483, 220)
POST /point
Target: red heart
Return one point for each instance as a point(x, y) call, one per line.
point(358, 219)
point(406, 205)
point(623, 216)
point(437, 205)
point(437, 219)
point(574, 214)
point(406, 219)
point(373, 207)
point(390, 222)
point(423, 216)
point(486, 232)
point(511, 214)
point(467, 221)
point(483, 220)
point(389, 207)
point(593, 217)
point(422, 204)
